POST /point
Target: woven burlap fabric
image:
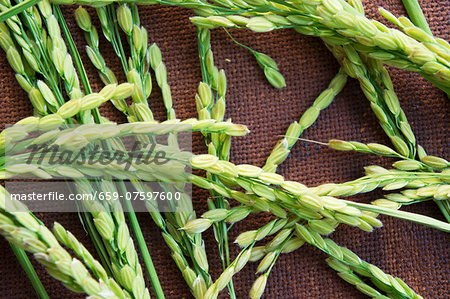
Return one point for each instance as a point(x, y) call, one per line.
point(417, 254)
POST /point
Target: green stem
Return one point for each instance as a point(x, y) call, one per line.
point(16, 9)
point(143, 249)
point(201, 55)
point(238, 43)
point(417, 218)
point(279, 249)
point(415, 13)
point(41, 55)
point(188, 245)
point(221, 227)
point(226, 248)
point(444, 207)
point(73, 50)
point(29, 270)
point(89, 227)
point(116, 41)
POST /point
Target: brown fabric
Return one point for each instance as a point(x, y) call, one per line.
point(417, 254)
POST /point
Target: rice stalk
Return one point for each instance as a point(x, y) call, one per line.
point(138, 73)
point(267, 64)
point(272, 192)
point(283, 147)
point(61, 63)
point(266, 266)
point(212, 106)
point(345, 261)
point(27, 232)
point(29, 270)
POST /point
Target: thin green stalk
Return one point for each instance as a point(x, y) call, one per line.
point(221, 227)
point(89, 226)
point(225, 248)
point(154, 280)
point(117, 43)
point(238, 43)
point(131, 214)
point(415, 13)
point(188, 245)
point(45, 68)
point(444, 207)
point(73, 50)
point(29, 270)
point(16, 9)
point(258, 288)
point(417, 218)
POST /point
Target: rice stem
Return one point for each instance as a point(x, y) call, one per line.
point(29, 270)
